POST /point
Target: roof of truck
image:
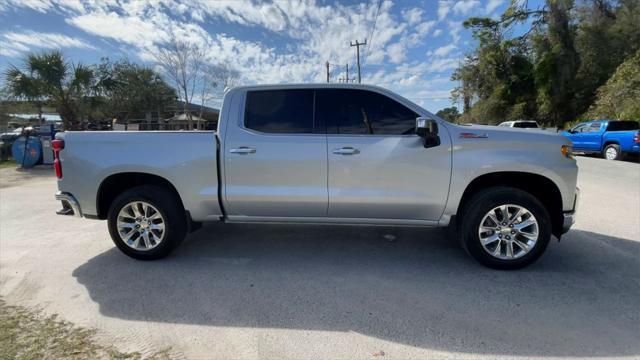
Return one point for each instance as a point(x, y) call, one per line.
point(309, 86)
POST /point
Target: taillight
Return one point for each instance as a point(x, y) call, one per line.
point(636, 138)
point(57, 145)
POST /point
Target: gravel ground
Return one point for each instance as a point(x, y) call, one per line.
point(301, 292)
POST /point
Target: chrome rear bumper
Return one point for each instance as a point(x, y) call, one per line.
point(70, 205)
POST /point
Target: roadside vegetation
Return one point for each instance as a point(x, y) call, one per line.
point(26, 334)
point(89, 93)
point(564, 61)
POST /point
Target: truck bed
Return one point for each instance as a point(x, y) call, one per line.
point(186, 159)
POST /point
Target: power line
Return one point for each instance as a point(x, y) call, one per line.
point(373, 29)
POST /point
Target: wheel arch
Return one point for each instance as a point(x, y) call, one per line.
point(541, 187)
point(115, 184)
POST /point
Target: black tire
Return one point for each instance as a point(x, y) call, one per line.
point(613, 147)
point(481, 204)
point(169, 206)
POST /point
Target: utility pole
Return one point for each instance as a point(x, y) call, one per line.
point(327, 65)
point(357, 45)
point(347, 72)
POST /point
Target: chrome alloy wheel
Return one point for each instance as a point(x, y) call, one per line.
point(508, 232)
point(141, 226)
point(611, 153)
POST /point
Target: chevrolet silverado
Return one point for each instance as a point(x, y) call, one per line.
point(324, 154)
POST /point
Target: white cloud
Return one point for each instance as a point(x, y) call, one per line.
point(16, 43)
point(128, 29)
point(301, 35)
point(396, 53)
point(412, 16)
point(444, 6)
point(492, 5)
point(455, 27)
point(464, 7)
point(424, 27)
point(443, 50)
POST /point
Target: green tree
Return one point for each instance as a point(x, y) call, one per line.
point(556, 65)
point(498, 75)
point(619, 98)
point(128, 89)
point(450, 114)
point(49, 76)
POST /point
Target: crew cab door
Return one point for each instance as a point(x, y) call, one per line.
point(592, 137)
point(378, 166)
point(587, 136)
point(275, 157)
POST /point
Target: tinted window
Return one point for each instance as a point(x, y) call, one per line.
point(363, 112)
point(280, 111)
point(595, 127)
point(526, 125)
point(622, 125)
point(581, 128)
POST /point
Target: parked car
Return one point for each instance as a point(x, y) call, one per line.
point(611, 139)
point(324, 154)
point(523, 124)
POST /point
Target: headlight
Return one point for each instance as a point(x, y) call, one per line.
point(567, 151)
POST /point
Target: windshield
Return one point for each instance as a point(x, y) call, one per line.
point(528, 125)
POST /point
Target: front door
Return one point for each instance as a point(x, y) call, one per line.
point(378, 166)
point(275, 157)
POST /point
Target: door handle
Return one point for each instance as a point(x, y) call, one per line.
point(243, 150)
point(347, 150)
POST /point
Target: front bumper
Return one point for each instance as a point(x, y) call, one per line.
point(570, 216)
point(70, 205)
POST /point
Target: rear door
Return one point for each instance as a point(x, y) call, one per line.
point(378, 166)
point(275, 157)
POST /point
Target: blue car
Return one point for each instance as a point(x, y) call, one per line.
point(612, 139)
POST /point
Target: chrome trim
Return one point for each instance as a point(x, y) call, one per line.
point(70, 201)
point(569, 217)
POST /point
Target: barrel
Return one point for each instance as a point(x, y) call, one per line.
point(26, 151)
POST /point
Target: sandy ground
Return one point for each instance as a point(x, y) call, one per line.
point(302, 292)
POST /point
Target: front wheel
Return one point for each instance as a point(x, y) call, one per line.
point(612, 152)
point(147, 222)
point(505, 228)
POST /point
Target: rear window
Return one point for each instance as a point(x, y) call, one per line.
point(527, 125)
point(280, 111)
point(622, 125)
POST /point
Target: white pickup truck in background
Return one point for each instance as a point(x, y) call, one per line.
point(328, 154)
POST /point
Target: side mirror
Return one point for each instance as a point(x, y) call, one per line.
point(427, 129)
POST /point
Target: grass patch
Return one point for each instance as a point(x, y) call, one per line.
point(26, 334)
point(8, 164)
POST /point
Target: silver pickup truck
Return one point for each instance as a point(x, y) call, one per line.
point(324, 154)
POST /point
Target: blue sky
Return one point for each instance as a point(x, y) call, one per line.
point(413, 46)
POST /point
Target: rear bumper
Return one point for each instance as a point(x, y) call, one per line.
point(570, 216)
point(70, 205)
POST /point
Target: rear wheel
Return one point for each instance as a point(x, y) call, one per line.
point(612, 152)
point(505, 228)
point(147, 222)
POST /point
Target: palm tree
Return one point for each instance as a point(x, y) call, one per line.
point(48, 76)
